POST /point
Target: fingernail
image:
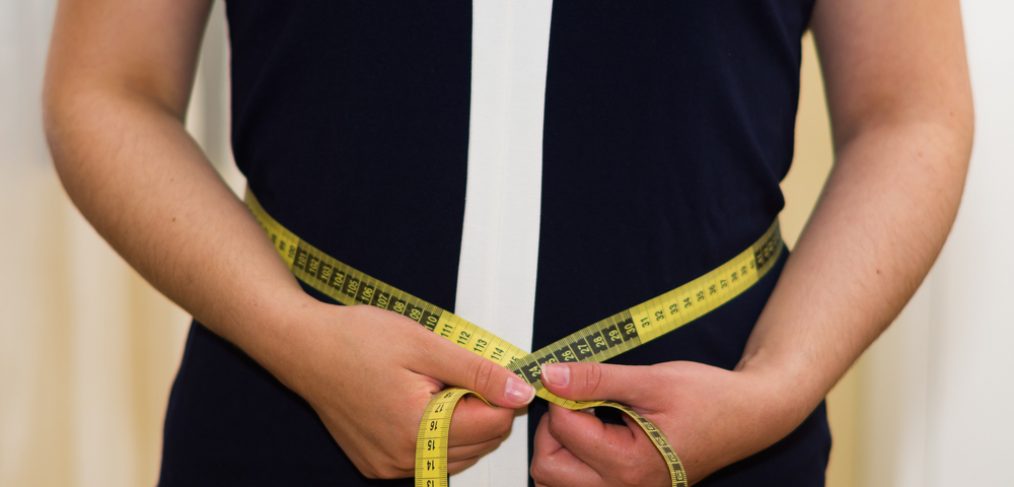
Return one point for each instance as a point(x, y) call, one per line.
point(519, 390)
point(558, 375)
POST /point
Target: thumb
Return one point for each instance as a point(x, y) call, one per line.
point(589, 381)
point(498, 385)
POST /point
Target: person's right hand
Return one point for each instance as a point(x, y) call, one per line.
point(369, 373)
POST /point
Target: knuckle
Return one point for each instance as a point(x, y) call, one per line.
point(482, 375)
point(502, 428)
point(538, 470)
point(593, 377)
point(554, 428)
point(404, 458)
point(424, 349)
point(403, 464)
point(370, 471)
point(391, 466)
point(389, 470)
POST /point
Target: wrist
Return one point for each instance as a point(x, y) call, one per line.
point(791, 387)
point(286, 336)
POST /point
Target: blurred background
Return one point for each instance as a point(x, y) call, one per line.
point(88, 350)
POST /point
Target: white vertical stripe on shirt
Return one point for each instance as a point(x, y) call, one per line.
point(500, 239)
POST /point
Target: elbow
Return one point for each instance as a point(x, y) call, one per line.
point(958, 127)
point(58, 114)
point(51, 122)
point(934, 137)
point(923, 148)
point(959, 122)
point(947, 137)
point(76, 124)
point(77, 118)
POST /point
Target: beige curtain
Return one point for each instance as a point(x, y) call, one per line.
point(87, 349)
point(938, 396)
point(930, 404)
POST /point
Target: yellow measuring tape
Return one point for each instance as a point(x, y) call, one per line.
point(597, 342)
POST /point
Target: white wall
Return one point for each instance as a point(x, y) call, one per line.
point(938, 395)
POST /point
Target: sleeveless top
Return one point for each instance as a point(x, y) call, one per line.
point(533, 166)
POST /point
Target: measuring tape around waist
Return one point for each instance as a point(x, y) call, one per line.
point(597, 342)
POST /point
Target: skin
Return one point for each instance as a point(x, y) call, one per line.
point(901, 112)
point(117, 85)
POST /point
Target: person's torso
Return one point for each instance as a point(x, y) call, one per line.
point(533, 166)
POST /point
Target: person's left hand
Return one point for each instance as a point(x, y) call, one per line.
point(711, 416)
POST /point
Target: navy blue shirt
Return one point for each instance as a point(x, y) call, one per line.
point(668, 126)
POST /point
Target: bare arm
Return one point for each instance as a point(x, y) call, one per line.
point(117, 86)
point(899, 97)
point(901, 109)
point(118, 81)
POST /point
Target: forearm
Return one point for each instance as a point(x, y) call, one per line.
point(884, 215)
point(138, 177)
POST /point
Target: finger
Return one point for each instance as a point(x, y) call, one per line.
point(466, 452)
point(553, 465)
point(562, 469)
point(476, 422)
point(456, 366)
point(590, 380)
point(543, 443)
point(597, 444)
